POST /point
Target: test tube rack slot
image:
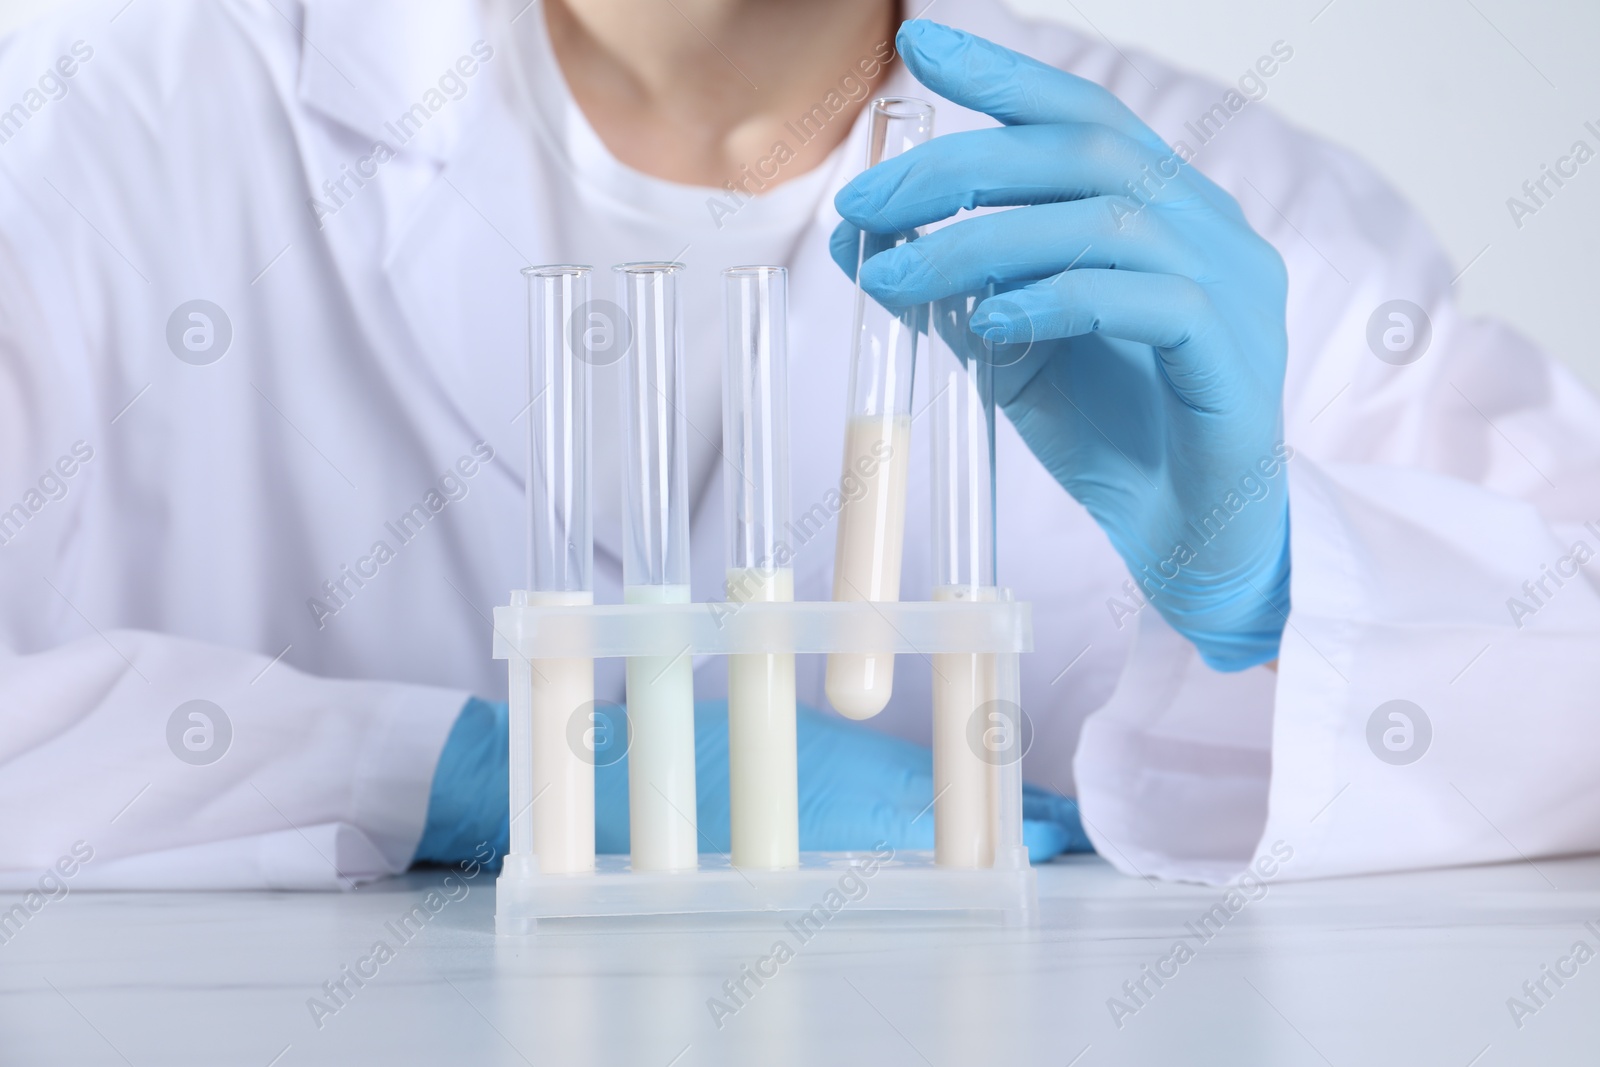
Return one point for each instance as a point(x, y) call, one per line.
point(903, 886)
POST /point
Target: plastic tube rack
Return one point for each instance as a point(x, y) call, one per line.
point(903, 885)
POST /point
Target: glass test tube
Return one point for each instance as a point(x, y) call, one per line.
point(961, 387)
point(762, 779)
point(552, 816)
point(663, 831)
point(877, 447)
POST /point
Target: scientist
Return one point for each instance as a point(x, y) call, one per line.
point(1309, 551)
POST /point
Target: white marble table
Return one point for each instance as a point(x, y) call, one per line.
point(1412, 970)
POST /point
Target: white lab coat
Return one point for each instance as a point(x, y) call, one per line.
point(372, 352)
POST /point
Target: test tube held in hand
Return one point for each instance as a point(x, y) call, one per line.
point(962, 492)
point(663, 832)
point(552, 815)
point(871, 531)
point(762, 777)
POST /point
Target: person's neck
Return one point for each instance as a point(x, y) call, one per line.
point(702, 91)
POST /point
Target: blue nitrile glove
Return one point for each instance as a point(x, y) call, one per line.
point(857, 788)
point(1138, 325)
point(470, 799)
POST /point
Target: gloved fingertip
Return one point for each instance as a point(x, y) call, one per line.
point(883, 276)
point(926, 36)
point(994, 327)
point(845, 248)
point(855, 202)
point(999, 320)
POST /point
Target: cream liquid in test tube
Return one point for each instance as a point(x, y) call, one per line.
point(871, 532)
point(964, 686)
point(763, 783)
point(552, 816)
point(663, 832)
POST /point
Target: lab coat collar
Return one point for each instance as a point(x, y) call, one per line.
point(461, 214)
point(366, 65)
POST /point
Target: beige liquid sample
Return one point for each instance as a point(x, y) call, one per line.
point(763, 784)
point(964, 782)
point(866, 558)
point(563, 774)
point(662, 827)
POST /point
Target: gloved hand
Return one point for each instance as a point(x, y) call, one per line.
point(470, 799)
point(1137, 324)
point(857, 788)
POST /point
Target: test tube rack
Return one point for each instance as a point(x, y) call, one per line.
point(896, 887)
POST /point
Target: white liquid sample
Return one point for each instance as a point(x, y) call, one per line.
point(662, 829)
point(866, 556)
point(763, 783)
point(964, 783)
point(562, 809)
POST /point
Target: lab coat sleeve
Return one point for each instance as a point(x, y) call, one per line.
point(320, 783)
point(289, 781)
point(1445, 535)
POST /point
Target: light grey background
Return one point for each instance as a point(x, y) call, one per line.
point(1457, 102)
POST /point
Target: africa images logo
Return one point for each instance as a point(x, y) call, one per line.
point(199, 732)
point(1399, 732)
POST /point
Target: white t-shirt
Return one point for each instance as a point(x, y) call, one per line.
point(614, 214)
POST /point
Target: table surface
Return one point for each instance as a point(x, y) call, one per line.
point(1406, 969)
